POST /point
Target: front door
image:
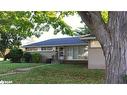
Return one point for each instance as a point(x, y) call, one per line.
point(61, 53)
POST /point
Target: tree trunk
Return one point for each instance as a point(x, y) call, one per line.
point(116, 53)
point(113, 39)
point(116, 63)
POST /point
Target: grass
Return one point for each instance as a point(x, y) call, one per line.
point(58, 74)
point(6, 66)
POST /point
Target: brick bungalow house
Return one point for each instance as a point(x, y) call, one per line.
point(83, 49)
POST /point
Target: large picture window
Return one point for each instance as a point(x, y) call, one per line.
point(69, 53)
point(77, 52)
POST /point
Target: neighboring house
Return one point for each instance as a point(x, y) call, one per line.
point(71, 49)
point(84, 49)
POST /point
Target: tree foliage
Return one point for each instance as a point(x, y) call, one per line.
point(45, 20)
point(82, 31)
point(4, 43)
point(16, 55)
point(105, 16)
point(16, 26)
point(29, 23)
point(18, 22)
point(9, 40)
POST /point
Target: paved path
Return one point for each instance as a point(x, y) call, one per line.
point(21, 70)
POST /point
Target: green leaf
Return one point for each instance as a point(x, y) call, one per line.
point(105, 16)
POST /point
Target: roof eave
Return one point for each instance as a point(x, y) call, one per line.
point(87, 38)
point(54, 45)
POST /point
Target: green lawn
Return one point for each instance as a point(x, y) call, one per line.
point(6, 66)
point(58, 74)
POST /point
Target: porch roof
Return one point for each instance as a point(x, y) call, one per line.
point(59, 42)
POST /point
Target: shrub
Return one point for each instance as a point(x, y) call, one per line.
point(27, 57)
point(1, 55)
point(36, 57)
point(7, 56)
point(16, 55)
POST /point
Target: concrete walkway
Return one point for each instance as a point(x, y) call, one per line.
point(21, 70)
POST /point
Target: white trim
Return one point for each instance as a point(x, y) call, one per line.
point(88, 38)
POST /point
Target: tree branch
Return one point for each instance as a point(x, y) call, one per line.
point(94, 21)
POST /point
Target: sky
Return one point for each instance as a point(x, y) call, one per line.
point(73, 21)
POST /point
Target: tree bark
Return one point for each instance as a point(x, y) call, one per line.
point(113, 39)
point(115, 58)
